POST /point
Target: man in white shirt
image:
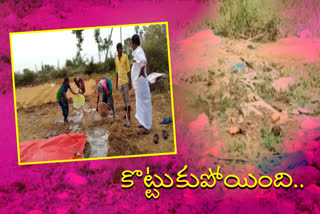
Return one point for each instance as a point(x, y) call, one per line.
point(141, 86)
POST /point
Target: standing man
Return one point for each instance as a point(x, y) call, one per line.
point(141, 86)
point(123, 78)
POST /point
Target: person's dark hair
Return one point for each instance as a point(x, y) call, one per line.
point(135, 39)
point(119, 45)
point(76, 81)
point(66, 79)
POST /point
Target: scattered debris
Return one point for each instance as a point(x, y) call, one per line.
point(240, 119)
point(239, 67)
point(247, 63)
point(235, 130)
point(301, 111)
point(247, 109)
point(275, 117)
point(253, 97)
point(250, 47)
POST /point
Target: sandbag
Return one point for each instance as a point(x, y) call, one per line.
point(61, 147)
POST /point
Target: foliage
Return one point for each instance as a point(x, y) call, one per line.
point(100, 43)
point(57, 74)
point(46, 68)
point(247, 19)
point(100, 67)
point(91, 68)
point(70, 63)
point(269, 138)
point(26, 78)
point(110, 65)
point(103, 44)
point(127, 47)
point(78, 59)
point(265, 90)
point(79, 36)
point(155, 47)
point(161, 85)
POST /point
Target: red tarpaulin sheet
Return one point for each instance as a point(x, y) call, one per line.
point(61, 147)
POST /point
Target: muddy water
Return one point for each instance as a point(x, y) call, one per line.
point(96, 136)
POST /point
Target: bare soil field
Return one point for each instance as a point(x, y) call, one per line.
point(40, 117)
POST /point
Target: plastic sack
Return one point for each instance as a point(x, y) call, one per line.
point(239, 67)
point(152, 78)
point(62, 147)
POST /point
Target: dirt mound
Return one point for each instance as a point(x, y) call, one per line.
point(295, 49)
point(121, 139)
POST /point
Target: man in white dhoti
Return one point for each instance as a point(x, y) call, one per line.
point(141, 86)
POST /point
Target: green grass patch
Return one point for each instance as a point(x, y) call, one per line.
point(239, 146)
point(247, 19)
point(265, 90)
point(308, 86)
point(269, 139)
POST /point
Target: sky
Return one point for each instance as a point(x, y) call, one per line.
point(31, 50)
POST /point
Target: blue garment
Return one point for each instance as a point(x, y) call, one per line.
point(65, 89)
point(65, 108)
point(166, 120)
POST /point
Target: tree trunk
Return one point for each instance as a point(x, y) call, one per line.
point(105, 61)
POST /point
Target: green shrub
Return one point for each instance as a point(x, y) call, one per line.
point(62, 73)
point(110, 65)
point(28, 76)
point(100, 67)
point(91, 68)
point(247, 19)
point(18, 79)
point(269, 138)
point(70, 63)
point(155, 47)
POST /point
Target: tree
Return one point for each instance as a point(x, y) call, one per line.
point(155, 47)
point(28, 76)
point(99, 42)
point(103, 44)
point(70, 63)
point(127, 47)
point(80, 39)
point(136, 29)
point(108, 43)
point(91, 68)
